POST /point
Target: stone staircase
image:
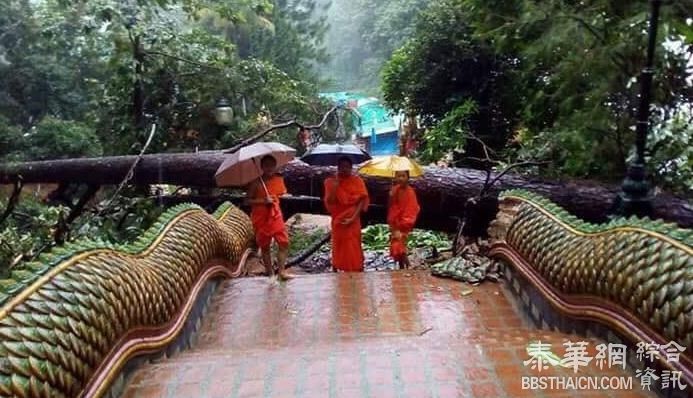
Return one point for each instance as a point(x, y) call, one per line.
point(376, 334)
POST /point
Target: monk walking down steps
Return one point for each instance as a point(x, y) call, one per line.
point(267, 217)
point(346, 198)
point(402, 212)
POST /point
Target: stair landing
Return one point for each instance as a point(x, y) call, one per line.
point(377, 334)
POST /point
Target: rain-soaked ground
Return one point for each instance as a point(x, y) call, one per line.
point(375, 260)
point(371, 334)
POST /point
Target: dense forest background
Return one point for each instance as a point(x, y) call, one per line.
point(554, 81)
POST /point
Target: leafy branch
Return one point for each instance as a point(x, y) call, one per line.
point(273, 127)
point(489, 182)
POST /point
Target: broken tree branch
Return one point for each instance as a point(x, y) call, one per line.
point(300, 257)
point(18, 185)
point(505, 171)
point(63, 226)
point(268, 130)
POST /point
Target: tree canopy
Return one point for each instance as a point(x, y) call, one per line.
point(114, 66)
point(560, 79)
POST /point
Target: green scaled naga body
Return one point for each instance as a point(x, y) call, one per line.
point(637, 273)
point(63, 317)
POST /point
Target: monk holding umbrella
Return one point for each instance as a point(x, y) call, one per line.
point(346, 197)
point(403, 207)
point(255, 166)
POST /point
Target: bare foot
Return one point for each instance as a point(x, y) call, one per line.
point(286, 275)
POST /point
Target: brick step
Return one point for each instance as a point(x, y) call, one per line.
point(404, 334)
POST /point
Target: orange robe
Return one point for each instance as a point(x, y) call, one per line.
point(347, 252)
point(267, 219)
point(401, 216)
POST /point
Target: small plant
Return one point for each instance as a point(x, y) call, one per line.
point(377, 237)
point(28, 230)
point(298, 242)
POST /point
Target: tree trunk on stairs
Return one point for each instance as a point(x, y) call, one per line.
point(442, 192)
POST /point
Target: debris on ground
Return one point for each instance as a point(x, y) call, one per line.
point(428, 329)
point(426, 248)
point(470, 266)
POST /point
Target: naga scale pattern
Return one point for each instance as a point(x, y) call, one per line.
point(644, 266)
point(62, 315)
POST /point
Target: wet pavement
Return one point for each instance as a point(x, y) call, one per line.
point(375, 334)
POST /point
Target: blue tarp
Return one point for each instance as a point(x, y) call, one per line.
point(385, 144)
point(373, 118)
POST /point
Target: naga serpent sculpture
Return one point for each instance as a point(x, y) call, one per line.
point(633, 275)
point(72, 319)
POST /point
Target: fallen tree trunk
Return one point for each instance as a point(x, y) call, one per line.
point(442, 191)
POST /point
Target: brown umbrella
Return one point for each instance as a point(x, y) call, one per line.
point(243, 166)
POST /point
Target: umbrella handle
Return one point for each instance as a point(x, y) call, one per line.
point(261, 180)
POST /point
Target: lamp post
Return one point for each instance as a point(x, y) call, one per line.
point(635, 196)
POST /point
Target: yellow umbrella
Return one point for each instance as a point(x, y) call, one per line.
point(386, 166)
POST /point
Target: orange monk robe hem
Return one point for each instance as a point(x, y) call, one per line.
point(347, 251)
point(402, 213)
point(268, 220)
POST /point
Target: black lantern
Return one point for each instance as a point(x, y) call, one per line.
point(223, 112)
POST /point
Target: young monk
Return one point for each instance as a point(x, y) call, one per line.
point(266, 215)
point(346, 198)
point(401, 217)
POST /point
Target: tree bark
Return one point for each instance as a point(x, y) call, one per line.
point(442, 192)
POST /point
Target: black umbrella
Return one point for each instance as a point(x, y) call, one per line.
point(329, 154)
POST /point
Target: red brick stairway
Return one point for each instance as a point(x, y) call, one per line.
point(380, 335)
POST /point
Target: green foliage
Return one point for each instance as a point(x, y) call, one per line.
point(27, 231)
point(575, 68)
point(440, 68)
point(114, 66)
point(51, 138)
point(362, 36)
point(377, 237)
point(671, 152)
point(86, 78)
point(11, 138)
point(301, 240)
point(125, 220)
point(23, 275)
point(37, 67)
point(31, 226)
point(54, 138)
point(449, 135)
point(560, 77)
point(295, 41)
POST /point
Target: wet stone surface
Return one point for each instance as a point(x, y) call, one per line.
point(373, 334)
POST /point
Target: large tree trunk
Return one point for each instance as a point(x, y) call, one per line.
point(442, 191)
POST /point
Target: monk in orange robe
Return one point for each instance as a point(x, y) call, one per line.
point(346, 197)
point(401, 217)
point(266, 215)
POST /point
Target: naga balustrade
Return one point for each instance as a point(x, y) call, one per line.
point(76, 320)
point(629, 281)
point(71, 321)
